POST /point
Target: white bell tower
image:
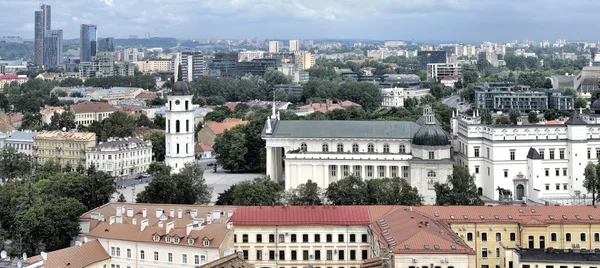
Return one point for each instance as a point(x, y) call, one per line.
point(179, 138)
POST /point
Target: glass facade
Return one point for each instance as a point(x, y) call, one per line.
point(88, 37)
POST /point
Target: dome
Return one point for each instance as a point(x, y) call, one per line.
point(180, 88)
point(431, 135)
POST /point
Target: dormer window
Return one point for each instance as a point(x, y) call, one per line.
point(168, 239)
point(156, 238)
point(206, 242)
point(176, 240)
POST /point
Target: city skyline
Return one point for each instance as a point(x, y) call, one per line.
point(423, 21)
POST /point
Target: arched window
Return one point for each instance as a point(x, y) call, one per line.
point(187, 125)
point(303, 147)
point(402, 149)
point(386, 148)
point(168, 126)
point(325, 147)
point(340, 147)
point(370, 148)
point(186, 105)
point(177, 129)
point(431, 174)
point(171, 105)
point(355, 148)
point(177, 148)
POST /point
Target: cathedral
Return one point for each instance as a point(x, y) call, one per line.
point(325, 151)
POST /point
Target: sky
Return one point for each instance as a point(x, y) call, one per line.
point(418, 20)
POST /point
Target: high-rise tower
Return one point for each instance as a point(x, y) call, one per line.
point(179, 139)
point(89, 39)
point(43, 18)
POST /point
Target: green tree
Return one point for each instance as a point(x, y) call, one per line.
point(348, 191)
point(186, 187)
point(158, 145)
point(392, 191)
point(13, 164)
point(470, 76)
point(306, 193)
point(160, 122)
point(592, 180)
point(502, 120)
point(226, 198)
point(513, 116)
point(117, 125)
point(230, 149)
point(256, 192)
point(122, 198)
point(218, 114)
point(66, 120)
point(460, 190)
point(532, 117)
point(71, 82)
point(144, 121)
point(101, 187)
point(486, 117)
point(32, 121)
point(550, 114)
point(580, 103)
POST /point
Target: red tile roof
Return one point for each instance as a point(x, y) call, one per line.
point(77, 256)
point(92, 107)
point(202, 147)
point(231, 105)
point(146, 95)
point(9, 76)
point(219, 128)
point(324, 107)
point(301, 215)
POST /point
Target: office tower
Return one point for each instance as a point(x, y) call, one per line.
point(88, 38)
point(426, 57)
point(130, 54)
point(104, 65)
point(193, 65)
point(53, 42)
point(106, 45)
point(294, 45)
point(273, 46)
point(42, 24)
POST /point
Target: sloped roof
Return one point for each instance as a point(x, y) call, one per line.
point(202, 147)
point(301, 215)
point(344, 129)
point(92, 107)
point(533, 154)
point(575, 119)
point(22, 135)
point(219, 127)
point(231, 261)
point(76, 256)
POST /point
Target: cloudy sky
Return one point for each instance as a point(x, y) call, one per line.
point(419, 20)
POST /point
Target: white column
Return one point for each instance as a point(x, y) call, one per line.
point(339, 172)
point(363, 171)
point(314, 173)
point(299, 177)
point(270, 163)
point(325, 176)
point(387, 171)
point(287, 176)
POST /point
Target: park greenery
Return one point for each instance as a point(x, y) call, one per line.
point(188, 186)
point(41, 212)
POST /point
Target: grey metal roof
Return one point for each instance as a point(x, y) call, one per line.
point(343, 129)
point(533, 154)
point(575, 119)
point(22, 136)
point(421, 121)
point(431, 135)
point(118, 142)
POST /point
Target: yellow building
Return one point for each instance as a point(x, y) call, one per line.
point(304, 60)
point(63, 147)
point(155, 66)
point(488, 230)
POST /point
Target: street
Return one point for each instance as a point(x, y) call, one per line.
point(455, 102)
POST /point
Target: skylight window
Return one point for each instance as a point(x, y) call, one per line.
point(426, 247)
point(564, 217)
point(481, 217)
point(453, 247)
point(436, 247)
point(532, 210)
point(591, 217)
point(551, 217)
point(466, 217)
point(578, 217)
point(520, 211)
point(406, 247)
point(496, 217)
point(436, 214)
point(509, 217)
point(452, 217)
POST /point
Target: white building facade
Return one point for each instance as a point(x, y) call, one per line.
point(395, 97)
point(179, 138)
point(536, 162)
point(327, 151)
point(120, 157)
point(22, 141)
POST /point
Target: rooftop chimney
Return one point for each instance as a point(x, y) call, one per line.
point(179, 213)
point(144, 212)
point(111, 220)
point(230, 225)
point(159, 212)
point(188, 228)
point(134, 221)
point(143, 225)
point(119, 211)
point(160, 224)
point(130, 212)
point(170, 226)
point(119, 219)
point(172, 213)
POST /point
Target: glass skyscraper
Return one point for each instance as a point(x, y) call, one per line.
point(88, 37)
point(43, 18)
point(106, 45)
point(53, 42)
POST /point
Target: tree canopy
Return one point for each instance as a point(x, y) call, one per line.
point(186, 187)
point(460, 190)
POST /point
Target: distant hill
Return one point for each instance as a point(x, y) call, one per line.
point(13, 51)
point(162, 42)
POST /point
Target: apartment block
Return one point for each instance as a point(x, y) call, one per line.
point(62, 147)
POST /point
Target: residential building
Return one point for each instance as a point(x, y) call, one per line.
point(509, 96)
point(152, 66)
point(256, 67)
point(53, 48)
point(588, 79)
point(48, 111)
point(551, 257)
point(104, 65)
point(438, 71)
point(62, 147)
point(203, 151)
point(393, 43)
point(193, 65)
point(130, 54)
point(450, 81)
point(8, 79)
point(210, 130)
point(42, 23)
point(106, 44)
point(273, 46)
point(179, 139)
point(327, 151)
point(88, 112)
point(429, 56)
point(88, 37)
point(249, 55)
point(159, 235)
point(90, 254)
point(294, 45)
point(303, 60)
point(490, 56)
point(395, 97)
point(120, 156)
point(21, 141)
point(562, 81)
point(327, 106)
point(224, 64)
